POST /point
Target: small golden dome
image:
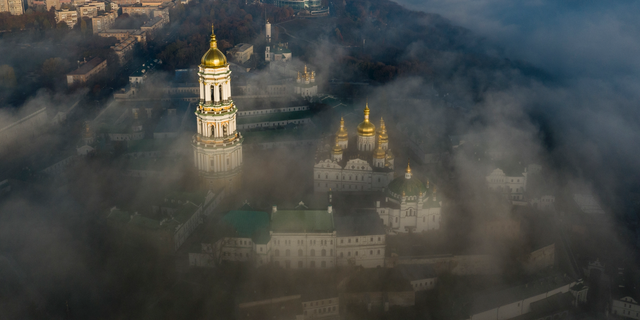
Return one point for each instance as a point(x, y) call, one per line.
point(214, 57)
point(342, 134)
point(366, 128)
point(336, 149)
point(378, 153)
point(383, 137)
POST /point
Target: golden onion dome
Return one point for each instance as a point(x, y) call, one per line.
point(342, 134)
point(366, 128)
point(383, 137)
point(336, 149)
point(214, 57)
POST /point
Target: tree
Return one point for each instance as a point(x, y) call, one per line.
point(83, 27)
point(53, 68)
point(62, 25)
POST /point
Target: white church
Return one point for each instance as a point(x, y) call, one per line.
point(410, 206)
point(361, 163)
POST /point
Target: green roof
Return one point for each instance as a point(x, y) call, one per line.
point(272, 117)
point(294, 134)
point(301, 220)
point(249, 224)
point(410, 187)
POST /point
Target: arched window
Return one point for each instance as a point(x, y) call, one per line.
point(312, 253)
point(277, 253)
point(287, 253)
point(323, 252)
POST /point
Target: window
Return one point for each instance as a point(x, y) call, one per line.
point(356, 253)
point(313, 263)
point(287, 264)
point(371, 252)
point(323, 252)
point(313, 251)
point(323, 263)
point(378, 251)
point(331, 252)
point(349, 254)
point(349, 240)
point(378, 238)
point(341, 240)
point(299, 252)
point(340, 254)
point(356, 238)
point(278, 251)
point(371, 239)
point(287, 253)
point(299, 264)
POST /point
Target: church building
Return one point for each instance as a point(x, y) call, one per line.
point(409, 205)
point(361, 163)
point(217, 147)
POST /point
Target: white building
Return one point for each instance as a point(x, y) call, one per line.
point(217, 147)
point(410, 206)
point(241, 52)
point(66, 16)
point(321, 306)
point(360, 240)
point(14, 7)
point(512, 186)
point(299, 238)
point(363, 164)
point(306, 85)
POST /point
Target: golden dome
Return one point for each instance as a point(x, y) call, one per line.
point(214, 57)
point(366, 128)
point(383, 137)
point(342, 134)
point(378, 153)
point(336, 149)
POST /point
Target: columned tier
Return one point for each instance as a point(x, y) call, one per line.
point(214, 109)
point(200, 141)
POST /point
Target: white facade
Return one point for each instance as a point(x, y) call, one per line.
point(626, 307)
point(321, 308)
point(306, 84)
point(513, 187)
point(364, 167)
point(356, 175)
point(217, 145)
point(367, 251)
point(409, 206)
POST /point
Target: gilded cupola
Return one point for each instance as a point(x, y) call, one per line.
point(214, 57)
point(342, 134)
point(383, 137)
point(366, 128)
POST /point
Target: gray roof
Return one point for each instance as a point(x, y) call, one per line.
point(489, 300)
point(362, 222)
point(414, 272)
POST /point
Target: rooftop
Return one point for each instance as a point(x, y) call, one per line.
point(490, 300)
point(248, 223)
point(362, 222)
point(302, 219)
point(87, 67)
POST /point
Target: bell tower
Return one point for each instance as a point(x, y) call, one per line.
point(217, 147)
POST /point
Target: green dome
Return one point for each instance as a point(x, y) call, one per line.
point(409, 185)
